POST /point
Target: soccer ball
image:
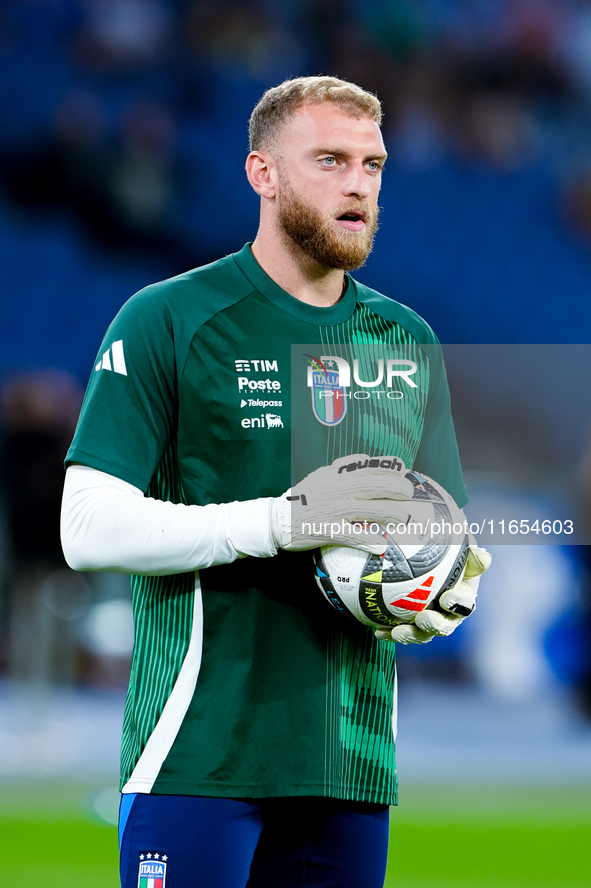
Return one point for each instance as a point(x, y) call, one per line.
point(414, 570)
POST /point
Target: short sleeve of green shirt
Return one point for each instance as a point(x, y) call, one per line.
point(127, 415)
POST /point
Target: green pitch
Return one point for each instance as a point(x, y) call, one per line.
point(441, 837)
point(491, 837)
point(50, 836)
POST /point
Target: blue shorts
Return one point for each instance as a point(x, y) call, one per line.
point(196, 842)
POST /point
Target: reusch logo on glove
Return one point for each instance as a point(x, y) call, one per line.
point(375, 463)
point(329, 377)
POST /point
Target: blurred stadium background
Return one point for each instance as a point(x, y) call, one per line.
point(121, 162)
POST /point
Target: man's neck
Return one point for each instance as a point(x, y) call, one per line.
point(298, 274)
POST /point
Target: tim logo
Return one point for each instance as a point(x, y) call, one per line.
point(329, 404)
point(152, 874)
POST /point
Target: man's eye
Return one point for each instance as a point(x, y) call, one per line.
point(329, 161)
point(374, 165)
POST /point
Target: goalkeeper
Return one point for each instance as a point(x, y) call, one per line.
point(257, 742)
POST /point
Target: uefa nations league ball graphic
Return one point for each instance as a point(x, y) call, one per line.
point(421, 559)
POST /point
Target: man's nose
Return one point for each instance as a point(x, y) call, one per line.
point(358, 183)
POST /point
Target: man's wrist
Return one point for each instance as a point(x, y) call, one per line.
point(250, 527)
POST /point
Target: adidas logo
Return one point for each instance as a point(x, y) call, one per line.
point(113, 359)
point(419, 597)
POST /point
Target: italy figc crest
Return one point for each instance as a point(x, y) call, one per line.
point(329, 403)
point(152, 872)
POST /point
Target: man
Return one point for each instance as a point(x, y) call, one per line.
point(257, 743)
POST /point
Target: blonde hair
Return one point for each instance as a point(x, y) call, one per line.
point(279, 103)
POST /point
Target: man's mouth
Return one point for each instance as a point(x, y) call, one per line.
point(352, 220)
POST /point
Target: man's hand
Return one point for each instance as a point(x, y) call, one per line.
point(343, 504)
point(458, 602)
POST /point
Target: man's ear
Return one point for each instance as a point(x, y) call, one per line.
point(261, 171)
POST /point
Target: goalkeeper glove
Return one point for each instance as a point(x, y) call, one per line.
point(343, 504)
point(459, 602)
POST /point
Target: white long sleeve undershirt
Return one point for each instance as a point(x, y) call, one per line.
point(108, 524)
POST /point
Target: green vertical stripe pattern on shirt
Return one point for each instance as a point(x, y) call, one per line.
point(360, 674)
point(162, 634)
point(385, 426)
point(360, 697)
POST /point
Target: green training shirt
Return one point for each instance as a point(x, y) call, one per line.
point(216, 386)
